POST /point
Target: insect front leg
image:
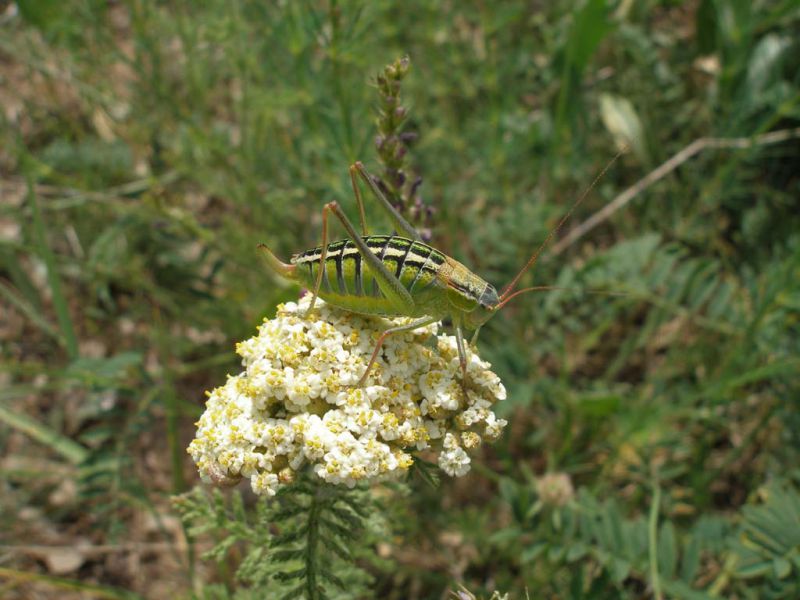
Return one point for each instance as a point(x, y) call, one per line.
point(462, 359)
point(323, 255)
point(474, 339)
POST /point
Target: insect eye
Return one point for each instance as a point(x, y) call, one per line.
point(489, 298)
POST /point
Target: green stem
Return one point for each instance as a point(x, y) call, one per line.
point(653, 541)
point(314, 509)
point(171, 402)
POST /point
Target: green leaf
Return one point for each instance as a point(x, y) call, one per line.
point(281, 556)
point(504, 536)
point(295, 593)
point(622, 121)
point(706, 26)
point(576, 552)
point(531, 553)
point(599, 406)
point(615, 538)
point(332, 544)
point(782, 567)
point(667, 550)
point(591, 25)
point(42, 13)
point(330, 576)
point(556, 554)
point(681, 591)
point(754, 569)
point(619, 569)
point(291, 575)
point(690, 561)
point(765, 62)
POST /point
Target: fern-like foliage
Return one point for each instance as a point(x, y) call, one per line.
point(625, 552)
point(304, 543)
point(767, 544)
point(598, 551)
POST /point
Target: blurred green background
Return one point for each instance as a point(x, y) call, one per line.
point(146, 148)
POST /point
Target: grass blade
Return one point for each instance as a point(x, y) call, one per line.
point(72, 451)
point(59, 301)
point(90, 589)
point(30, 311)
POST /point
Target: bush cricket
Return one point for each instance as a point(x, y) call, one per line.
point(400, 276)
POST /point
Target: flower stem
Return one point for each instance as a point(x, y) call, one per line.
point(653, 542)
point(312, 565)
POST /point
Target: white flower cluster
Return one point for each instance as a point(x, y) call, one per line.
point(295, 402)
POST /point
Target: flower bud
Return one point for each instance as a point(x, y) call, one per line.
point(555, 489)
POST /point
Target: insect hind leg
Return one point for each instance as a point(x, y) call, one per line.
point(402, 226)
point(388, 283)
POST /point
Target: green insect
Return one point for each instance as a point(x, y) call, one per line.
point(397, 275)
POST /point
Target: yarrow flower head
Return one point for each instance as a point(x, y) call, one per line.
point(295, 403)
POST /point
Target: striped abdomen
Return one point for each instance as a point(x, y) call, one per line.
point(347, 280)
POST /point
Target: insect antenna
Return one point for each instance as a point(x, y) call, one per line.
point(543, 288)
point(504, 296)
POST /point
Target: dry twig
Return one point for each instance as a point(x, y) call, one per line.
point(664, 169)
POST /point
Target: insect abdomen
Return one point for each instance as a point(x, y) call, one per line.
point(348, 281)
